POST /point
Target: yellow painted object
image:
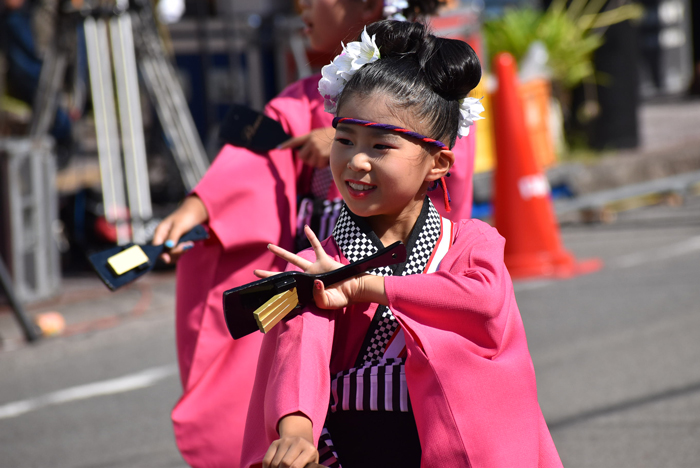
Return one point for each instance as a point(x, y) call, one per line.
point(484, 159)
point(535, 96)
point(127, 260)
point(275, 309)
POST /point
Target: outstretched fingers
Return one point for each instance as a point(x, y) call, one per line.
point(315, 243)
point(288, 256)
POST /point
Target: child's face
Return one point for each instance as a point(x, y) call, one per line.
point(380, 173)
point(330, 22)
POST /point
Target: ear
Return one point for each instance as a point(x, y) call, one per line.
point(372, 11)
point(442, 163)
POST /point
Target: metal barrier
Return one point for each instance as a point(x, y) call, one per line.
point(29, 217)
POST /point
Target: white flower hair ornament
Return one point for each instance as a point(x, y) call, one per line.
point(337, 74)
point(469, 110)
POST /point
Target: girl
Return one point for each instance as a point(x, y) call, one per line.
point(398, 368)
point(249, 200)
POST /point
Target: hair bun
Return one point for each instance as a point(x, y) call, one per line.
point(422, 73)
point(397, 38)
point(450, 66)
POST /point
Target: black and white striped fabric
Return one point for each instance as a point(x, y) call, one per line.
point(326, 452)
point(379, 386)
point(357, 242)
point(320, 214)
point(377, 383)
point(316, 210)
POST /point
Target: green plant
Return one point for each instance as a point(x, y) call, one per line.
point(571, 32)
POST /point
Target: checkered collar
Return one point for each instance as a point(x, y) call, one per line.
point(356, 240)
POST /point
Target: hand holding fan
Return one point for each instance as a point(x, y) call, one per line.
point(122, 264)
point(262, 304)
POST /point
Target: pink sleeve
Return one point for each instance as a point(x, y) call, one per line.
point(292, 376)
point(299, 108)
point(250, 197)
point(299, 375)
point(470, 289)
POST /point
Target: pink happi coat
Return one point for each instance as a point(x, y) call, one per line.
point(251, 201)
point(470, 376)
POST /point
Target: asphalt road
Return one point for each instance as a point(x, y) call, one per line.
point(616, 354)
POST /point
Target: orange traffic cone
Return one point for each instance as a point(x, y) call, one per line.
point(523, 211)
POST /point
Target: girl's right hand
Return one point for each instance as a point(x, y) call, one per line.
point(336, 296)
point(314, 148)
point(361, 288)
point(191, 213)
point(290, 452)
point(294, 448)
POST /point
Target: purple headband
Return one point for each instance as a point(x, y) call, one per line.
point(394, 128)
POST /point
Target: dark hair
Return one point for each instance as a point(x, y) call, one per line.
point(418, 9)
point(422, 72)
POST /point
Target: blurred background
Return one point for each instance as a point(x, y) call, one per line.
point(609, 96)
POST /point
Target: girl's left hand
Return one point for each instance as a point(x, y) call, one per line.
point(339, 295)
point(314, 148)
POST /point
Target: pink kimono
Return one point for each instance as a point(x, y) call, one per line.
point(251, 201)
point(468, 369)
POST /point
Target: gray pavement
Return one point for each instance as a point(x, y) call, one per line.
point(616, 352)
point(100, 396)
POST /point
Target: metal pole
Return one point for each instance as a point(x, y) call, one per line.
point(133, 145)
point(108, 149)
point(29, 329)
point(166, 94)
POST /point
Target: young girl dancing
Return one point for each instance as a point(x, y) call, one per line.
point(247, 201)
point(421, 364)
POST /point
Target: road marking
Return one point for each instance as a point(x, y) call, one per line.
point(143, 379)
point(664, 253)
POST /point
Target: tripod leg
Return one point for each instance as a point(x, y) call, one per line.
point(106, 126)
point(169, 100)
point(53, 71)
point(157, 94)
point(197, 154)
point(29, 329)
point(133, 144)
